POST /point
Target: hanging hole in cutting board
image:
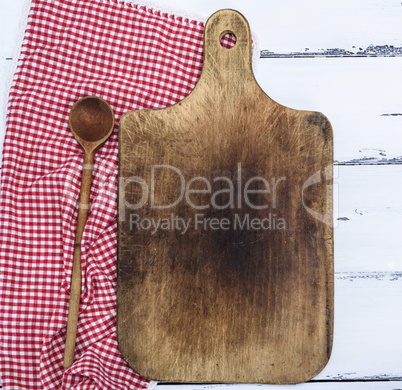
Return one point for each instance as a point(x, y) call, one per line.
point(228, 39)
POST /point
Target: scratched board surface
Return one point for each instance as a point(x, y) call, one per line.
point(362, 98)
point(245, 293)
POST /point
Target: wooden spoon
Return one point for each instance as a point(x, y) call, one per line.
point(91, 122)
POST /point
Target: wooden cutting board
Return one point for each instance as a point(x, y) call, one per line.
point(245, 292)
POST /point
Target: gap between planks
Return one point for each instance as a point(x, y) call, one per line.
point(370, 51)
point(334, 385)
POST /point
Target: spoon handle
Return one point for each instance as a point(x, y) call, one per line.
point(73, 310)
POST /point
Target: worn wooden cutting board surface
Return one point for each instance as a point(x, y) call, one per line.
point(225, 238)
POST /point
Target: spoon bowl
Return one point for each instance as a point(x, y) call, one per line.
point(91, 121)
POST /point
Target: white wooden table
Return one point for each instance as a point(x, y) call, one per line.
point(343, 58)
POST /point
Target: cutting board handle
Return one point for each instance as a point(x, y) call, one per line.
point(227, 63)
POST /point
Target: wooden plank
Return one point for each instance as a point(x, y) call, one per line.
point(301, 28)
point(292, 26)
point(285, 27)
point(5, 74)
point(367, 236)
point(366, 385)
point(360, 96)
point(368, 319)
point(11, 15)
point(308, 28)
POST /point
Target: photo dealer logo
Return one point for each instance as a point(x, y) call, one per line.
point(237, 196)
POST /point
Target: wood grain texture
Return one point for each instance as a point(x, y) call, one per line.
point(227, 305)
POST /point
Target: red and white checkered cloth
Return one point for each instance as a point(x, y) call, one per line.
point(135, 58)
